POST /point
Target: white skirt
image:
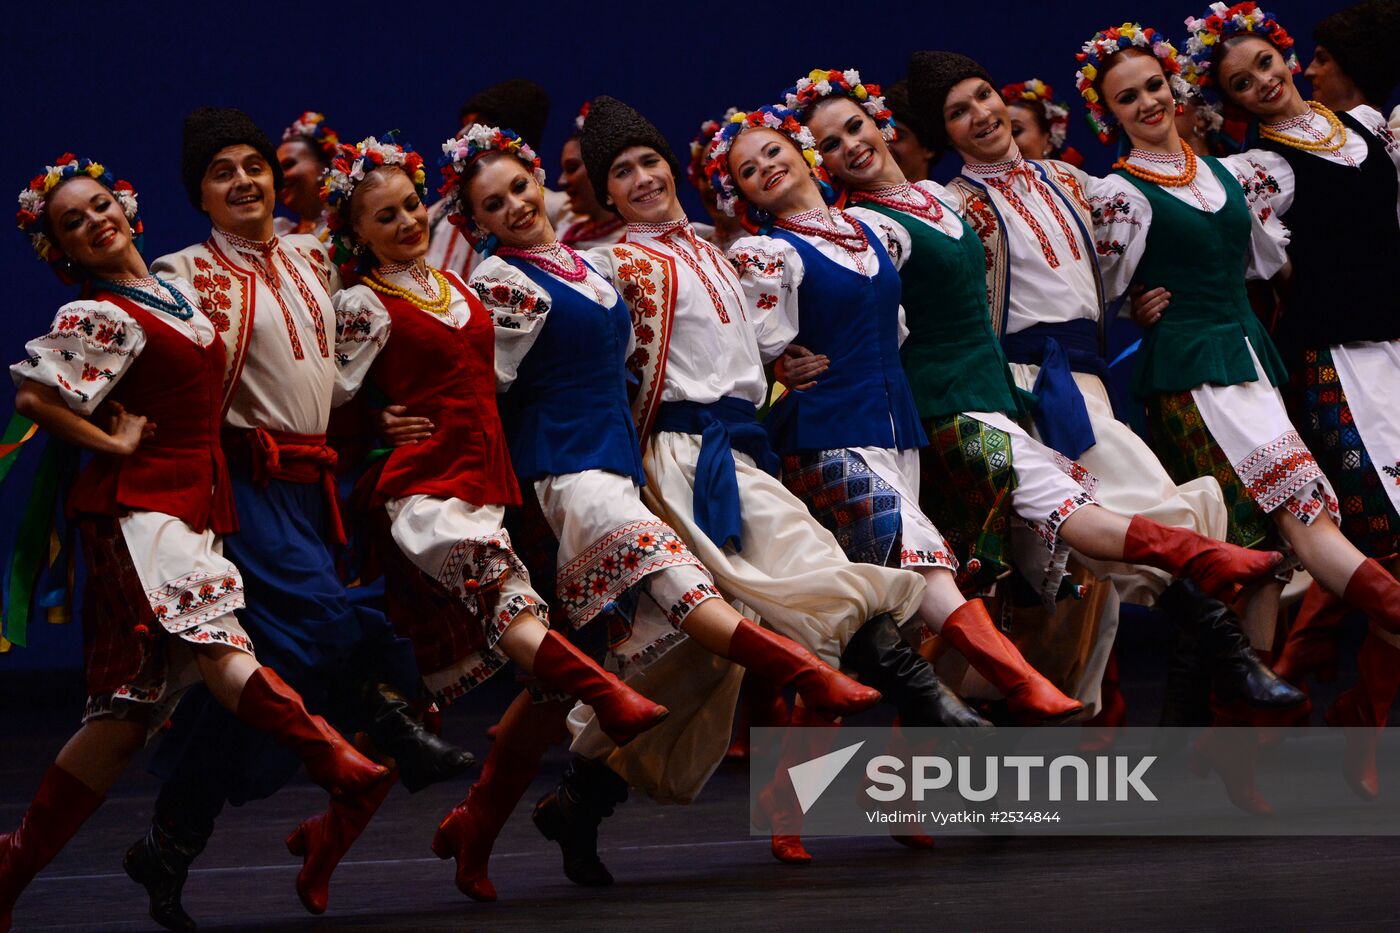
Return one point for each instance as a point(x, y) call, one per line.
point(1370, 376)
point(1252, 428)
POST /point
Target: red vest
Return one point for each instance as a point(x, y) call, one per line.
point(447, 375)
point(177, 385)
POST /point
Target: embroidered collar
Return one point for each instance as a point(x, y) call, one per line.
point(815, 215)
point(1176, 161)
point(136, 281)
point(392, 268)
point(247, 245)
point(666, 228)
point(996, 169)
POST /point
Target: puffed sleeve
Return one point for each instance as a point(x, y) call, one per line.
point(770, 271)
point(518, 308)
point(1268, 184)
point(361, 329)
point(88, 347)
point(1122, 217)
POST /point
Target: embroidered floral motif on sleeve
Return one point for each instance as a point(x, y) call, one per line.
point(352, 325)
point(757, 264)
point(1275, 472)
point(689, 600)
point(195, 599)
point(509, 297)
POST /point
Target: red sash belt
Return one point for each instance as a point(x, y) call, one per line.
point(292, 458)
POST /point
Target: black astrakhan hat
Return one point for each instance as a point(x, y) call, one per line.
point(211, 129)
point(931, 76)
point(1362, 39)
point(518, 103)
point(612, 126)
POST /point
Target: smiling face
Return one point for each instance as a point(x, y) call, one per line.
point(573, 179)
point(506, 202)
point(853, 151)
point(1255, 75)
point(771, 173)
point(88, 225)
point(388, 217)
point(238, 192)
point(1028, 130)
point(302, 169)
point(977, 122)
point(642, 187)
point(1139, 96)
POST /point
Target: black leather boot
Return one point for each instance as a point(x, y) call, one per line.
point(394, 727)
point(1236, 672)
point(571, 813)
point(180, 829)
point(882, 659)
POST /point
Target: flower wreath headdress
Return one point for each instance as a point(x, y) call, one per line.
point(722, 180)
point(1221, 23)
point(821, 83)
point(1036, 91)
point(700, 148)
point(34, 197)
point(582, 117)
point(312, 125)
point(463, 149)
point(1107, 43)
point(349, 167)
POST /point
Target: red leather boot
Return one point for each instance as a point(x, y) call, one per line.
point(269, 705)
point(59, 808)
point(809, 736)
point(1375, 592)
point(1311, 645)
point(1366, 708)
point(1029, 695)
point(1234, 754)
point(783, 662)
point(1220, 568)
point(623, 713)
point(323, 840)
point(470, 830)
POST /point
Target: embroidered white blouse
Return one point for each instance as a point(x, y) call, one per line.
point(771, 271)
point(1123, 215)
point(90, 344)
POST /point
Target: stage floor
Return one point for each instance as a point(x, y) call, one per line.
point(677, 867)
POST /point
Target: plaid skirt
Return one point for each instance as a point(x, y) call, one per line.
point(1324, 419)
point(966, 480)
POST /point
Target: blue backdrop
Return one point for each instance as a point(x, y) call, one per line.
point(113, 80)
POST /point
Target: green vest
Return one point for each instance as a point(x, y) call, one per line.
point(952, 358)
point(1200, 258)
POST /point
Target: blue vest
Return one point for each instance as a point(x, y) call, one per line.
point(568, 408)
point(863, 399)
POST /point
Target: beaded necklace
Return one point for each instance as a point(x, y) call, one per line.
point(854, 243)
point(437, 306)
point(1187, 176)
point(1335, 139)
point(900, 197)
point(179, 308)
point(542, 256)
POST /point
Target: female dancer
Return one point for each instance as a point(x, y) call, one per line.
point(308, 146)
point(564, 333)
point(1039, 122)
point(133, 371)
point(1336, 180)
point(965, 392)
point(1207, 369)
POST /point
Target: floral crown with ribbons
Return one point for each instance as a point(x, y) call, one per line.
point(1109, 42)
point(582, 117)
point(312, 126)
point(1036, 91)
point(463, 149)
point(349, 167)
point(821, 83)
point(1221, 23)
point(721, 180)
point(34, 198)
point(700, 147)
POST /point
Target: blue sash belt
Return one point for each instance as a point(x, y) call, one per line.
point(1060, 350)
point(724, 426)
